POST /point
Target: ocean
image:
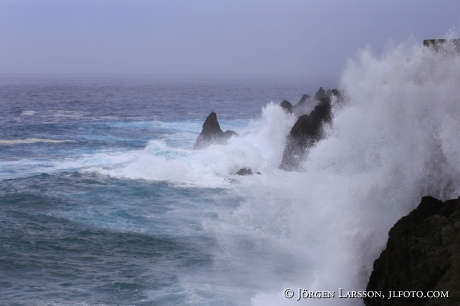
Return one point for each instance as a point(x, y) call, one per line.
point(103, 201)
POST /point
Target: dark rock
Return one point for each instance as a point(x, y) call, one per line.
point(303, 99)
point(245, 171)
point(320, 94)
point(212, 133)
point(305, 105)
point(286, 105)
point(422, 254)
point(305, 133)
point(334, 92)
point(229, 133)
point(443, 45)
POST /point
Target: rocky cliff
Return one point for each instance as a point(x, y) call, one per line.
point(309, 127)
point(305, 133)
point(422, 254)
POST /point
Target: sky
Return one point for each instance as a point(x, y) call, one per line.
point(209, 36)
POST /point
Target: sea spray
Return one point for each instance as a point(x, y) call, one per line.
point(395, 141)
point(260, 147)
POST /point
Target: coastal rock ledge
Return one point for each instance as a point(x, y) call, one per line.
point(422, 255)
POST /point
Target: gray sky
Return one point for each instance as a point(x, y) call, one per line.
point(208, 36)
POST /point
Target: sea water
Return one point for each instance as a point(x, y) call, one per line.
point(103, 201)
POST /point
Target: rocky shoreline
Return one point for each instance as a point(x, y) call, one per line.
point(422, 255)
point(423, 249)
point(313, 114)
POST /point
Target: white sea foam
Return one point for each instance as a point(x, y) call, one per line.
point(259, 149)
point(69, 114)
point(28, 113)
point(32, 140)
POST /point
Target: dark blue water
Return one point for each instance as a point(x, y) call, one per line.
point(96, 205)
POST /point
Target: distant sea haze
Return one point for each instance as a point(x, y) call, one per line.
point(103, 200)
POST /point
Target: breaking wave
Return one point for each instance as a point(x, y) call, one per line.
point(32, 140)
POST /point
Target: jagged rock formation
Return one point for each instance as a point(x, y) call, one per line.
point(212, 133)
point(422, 254)
point(302, 102)
point(307, 103)
point(304, 106)
point(320, 94)
point(314, 113)
point(306, 131)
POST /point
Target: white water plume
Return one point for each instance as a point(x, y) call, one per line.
point(395, 141)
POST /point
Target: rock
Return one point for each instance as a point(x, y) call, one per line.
point(422, 254)
point(244, 171)
point(305, 105)
point(305, 133)
point(447, 46)
point(335, 93)
point(303, 99)
point(229, 133)
point(286, 105)
point(320, 94)
point(212, 133)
